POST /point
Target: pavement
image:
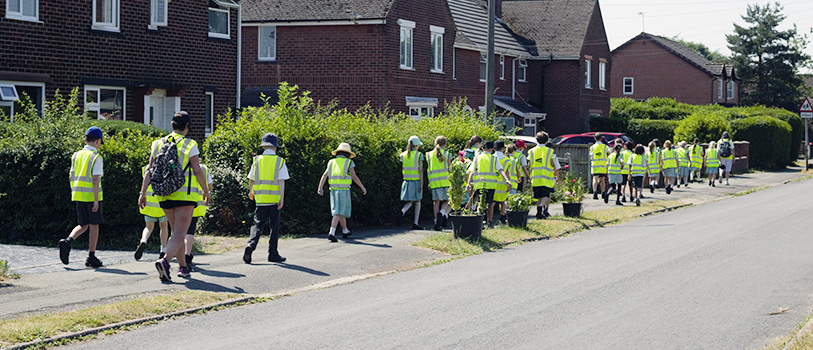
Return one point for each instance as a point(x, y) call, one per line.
point(48, 285)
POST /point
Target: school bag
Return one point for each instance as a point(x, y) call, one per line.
point(166, 174)
point(725, 149)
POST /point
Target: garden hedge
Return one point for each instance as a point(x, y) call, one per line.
point(644, 130)
point(769, 141)
point(706, 127)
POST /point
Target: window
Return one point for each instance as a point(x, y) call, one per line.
point(602, 75)
point(106, 15)
point(219, 26)
point(8, 92)
point(588, 77)
point(437, 48)
point(421, 107)
point(210, 112)
point(502, 67)
point(15, 96)
point(530, 126)
point(27, 10)
point(730, 90)
point(268, 43)
point(628, 81)
point(416, 113)
point(158, 13)
point(506, 124)
point(483, 67)
point(523, 65)
point(719, 88)
point(406, 43)
point(104, 102)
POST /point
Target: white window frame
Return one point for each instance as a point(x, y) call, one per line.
point(12, 98)
point(730, 90)
point(719, 88)
point(209, 127)
point(602, 75)
point(588, 74)
point(155, 21)
point(523, 68)
point(405, 59)
point(502, 67)
point(631, 85)
point(10, 101)
point(18, 15)
point(483, 63)
point(530, 122)
point(260, 37)
point(96, 107)
point(416, 109)
point(436, 45)
point(113, 25)
point(226, 10)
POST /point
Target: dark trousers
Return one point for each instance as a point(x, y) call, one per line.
point(265, 215)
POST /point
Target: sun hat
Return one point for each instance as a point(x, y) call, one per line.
point(95, 131)
point(519, 143)
point(415, 140)
point(344, 147)
point(270, 139)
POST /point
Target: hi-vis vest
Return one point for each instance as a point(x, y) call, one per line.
point(152, 208)
point(627, 154)
point(512, 169)
point(541, 169)
point(200, 210)
point(683, 158)
point(266, 179)
point(637, 168)
point(614, 167)
point(653, 162)
point(501, 193)
point(339, 174)
point(485, 172)
point(517, 165)
point(696, 156)
point(598, 158)
point(438, 171)
point(409, 165)
point(711, 158)
point(184, 147)
point(669, 157)
point(81, 176)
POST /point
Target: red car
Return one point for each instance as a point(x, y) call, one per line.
point(589, 138)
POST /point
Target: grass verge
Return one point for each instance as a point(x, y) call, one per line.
point(556, 226)
point(38, 327)
point(217, 244)
point(6, 273)
point(802, 342)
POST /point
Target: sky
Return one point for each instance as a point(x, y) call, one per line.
point(700, 21)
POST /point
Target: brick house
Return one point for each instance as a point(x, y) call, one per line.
point(653, 66)
point(138, 60)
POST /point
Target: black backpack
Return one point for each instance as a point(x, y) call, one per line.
point(166, 174)
point(725, 148)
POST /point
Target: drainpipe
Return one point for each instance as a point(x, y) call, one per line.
point(514, 78)
point(713, 78)
point(239, 50)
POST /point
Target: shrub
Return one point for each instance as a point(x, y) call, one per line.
point(706, 127)
point(644, 130)
point(769, 138)
point(793, 119)
point(615, 124)
point(308, 133)
point(653, 108)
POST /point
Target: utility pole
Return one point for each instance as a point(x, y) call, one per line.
point(490, 58)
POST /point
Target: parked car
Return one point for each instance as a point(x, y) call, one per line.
point(588, 138)
point(530, 141)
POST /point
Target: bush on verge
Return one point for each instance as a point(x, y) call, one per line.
point(769, 138)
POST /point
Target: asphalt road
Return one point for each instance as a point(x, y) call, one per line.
point(700, 278)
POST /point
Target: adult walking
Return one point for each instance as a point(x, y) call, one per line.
point(725, 149)
point(179, 205)
point(544, 173)
point(598, 165)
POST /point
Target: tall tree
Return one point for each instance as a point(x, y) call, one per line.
point(767, 60)
point(714, 56)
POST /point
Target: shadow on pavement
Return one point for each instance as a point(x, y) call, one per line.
point(353, 241)
point(303, 269)
point(194, 284)
point(214, 273)
point(118, 271)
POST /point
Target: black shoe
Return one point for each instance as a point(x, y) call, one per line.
point(624, 199)
point(642, 196)
point(437, 228)
point(140, 250)
point(678, 185)
point(669, 190)
point(444, 221)
point(93, 261)
point(539, 215)
point(184, 272)
point(188, 259)
point(637, 202)
point(64, 250)
point(346, 235)
point(491, 224)
point(416, 227)
point(595, 195)
point(606, 197)
point(277, 259)
point(712, 184)
point(161, 255)
point(247, 255)
point(399, 218)
point(651, 188)
point(617, 202)
point(332, 238)
point(163, 270)
point(545, 214)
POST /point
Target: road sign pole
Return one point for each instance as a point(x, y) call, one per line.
point(806, 112)
point(807, 143)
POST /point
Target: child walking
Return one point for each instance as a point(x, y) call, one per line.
point(438, 161)
point(198, 213)
point(340, 174)
point(86, 174)
point(267, 188)
point(152, 213)
point(412, 187)
point(712, 160)
point(614, 173)
point(653, 165)
point(669, 165)
point(637, 165)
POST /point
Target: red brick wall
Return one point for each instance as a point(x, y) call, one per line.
point(467, 78)
point(181, 54)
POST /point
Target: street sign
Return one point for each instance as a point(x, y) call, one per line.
point(806, 107)
point(806, 115)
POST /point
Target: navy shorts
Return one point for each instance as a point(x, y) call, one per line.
point(86, 216)
point(542, 192)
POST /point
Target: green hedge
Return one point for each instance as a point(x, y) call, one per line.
point(308, 134)
point(653, 108)
point(34, 190)
point(769, 140)
point(706, 127)
point(796, 123)
point(644, 130)
point(614, 124)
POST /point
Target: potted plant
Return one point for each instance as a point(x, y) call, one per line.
point(465, 223)
point(518, 206)
point(572, 194)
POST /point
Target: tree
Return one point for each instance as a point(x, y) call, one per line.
point(767, 60)
point(714, 56)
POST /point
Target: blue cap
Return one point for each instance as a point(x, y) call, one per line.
point(270, 139)
point(95, 131)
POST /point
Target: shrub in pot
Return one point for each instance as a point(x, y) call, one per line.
point(573, 190)
point(465, 223)
point(518, 207)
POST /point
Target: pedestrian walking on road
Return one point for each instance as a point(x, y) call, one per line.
point(638, 166)
point(522, 162)
point(267, 188)
point(614, 170)
point(598, 165)
point(483, 178)
point(340, 175)
point(712, 160)
point(684, 164)
point(696, 158)
point(725, 149)
point(669, 165)
point(199, 212)
point(627, 153)
point(544, 172)
point(412, 186)
point(438, 161)
point(653, 162)
point(85, 177)
point(503, 187)
point(152, 213)
point(179, 204)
